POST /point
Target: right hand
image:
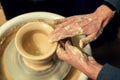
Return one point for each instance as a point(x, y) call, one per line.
point(79, 60)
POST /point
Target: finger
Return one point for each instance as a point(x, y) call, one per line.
point(60, 49)
point(63, 26)
point(56, 36)
point(65, 22)
point(62, 44)
point(59, 21)
point(68, 31)
point(91, 59)
point(63, 57)
point(84, 41)
point(71, 50)
point(50, 22)
point(61, 54)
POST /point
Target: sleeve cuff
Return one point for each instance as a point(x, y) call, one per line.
point(109, 5)
point(115, 4)
point(109, 72)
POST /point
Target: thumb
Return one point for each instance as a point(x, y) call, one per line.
point(61, 53)
point(84, 41)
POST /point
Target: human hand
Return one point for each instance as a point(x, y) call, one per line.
point(90, 25)
point(82, 62)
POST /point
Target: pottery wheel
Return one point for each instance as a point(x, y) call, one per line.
point(19, 71)
point(12, 66)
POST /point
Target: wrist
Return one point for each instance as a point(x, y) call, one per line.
point(92, 68)
point(104, 11)
point(105, 14)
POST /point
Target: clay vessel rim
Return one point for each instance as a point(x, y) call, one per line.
point(21, 32)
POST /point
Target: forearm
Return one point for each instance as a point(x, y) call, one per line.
point(94, 70)
point(91, 68)
point(106, 72)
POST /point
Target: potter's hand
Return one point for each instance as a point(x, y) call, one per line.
point(91, 25)
point(76, 58)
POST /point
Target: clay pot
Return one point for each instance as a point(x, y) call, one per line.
point(33, 44)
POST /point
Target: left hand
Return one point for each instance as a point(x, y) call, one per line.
point(91, 25)
point(76, 58)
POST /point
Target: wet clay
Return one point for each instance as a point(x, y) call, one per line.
point(36, 43)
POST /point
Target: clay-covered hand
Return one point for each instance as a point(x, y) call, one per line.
point(91, 25)
point(82, 62)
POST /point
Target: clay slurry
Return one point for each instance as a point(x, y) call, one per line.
point(36, 43)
